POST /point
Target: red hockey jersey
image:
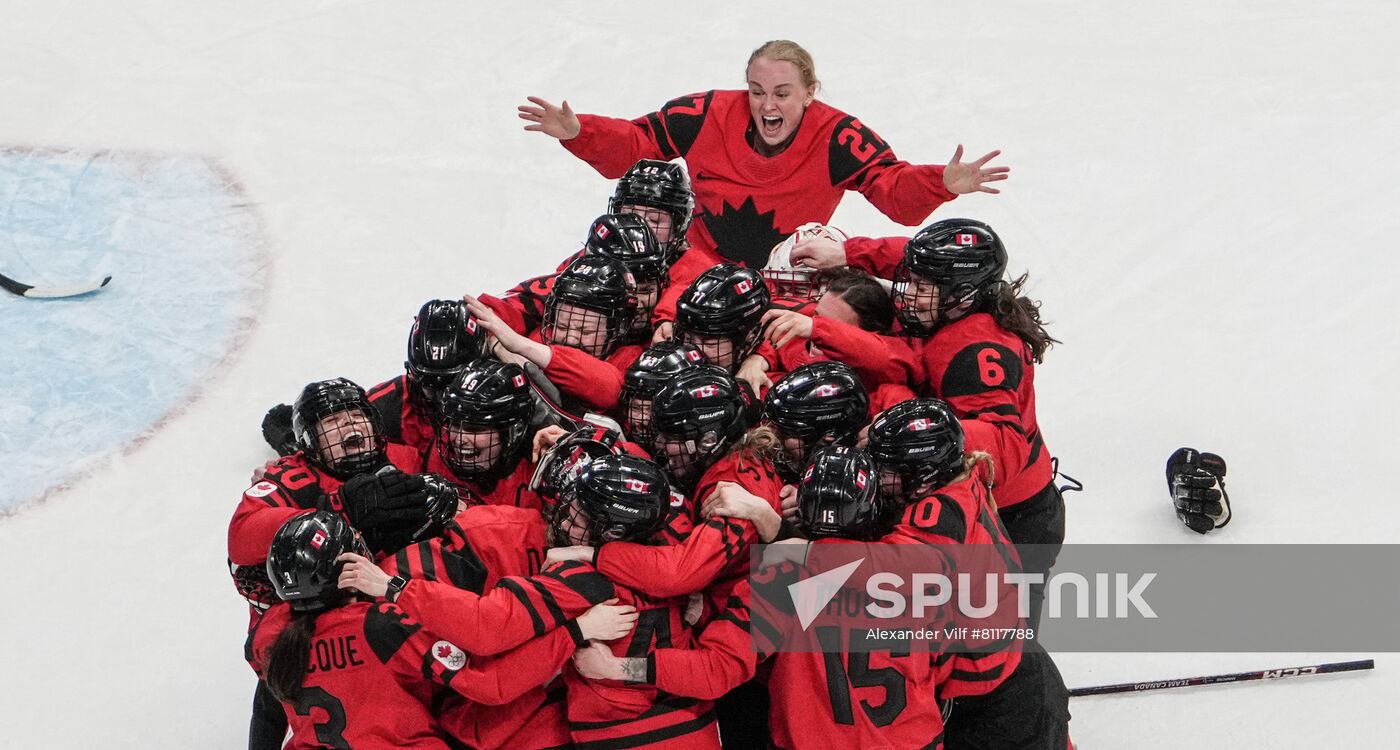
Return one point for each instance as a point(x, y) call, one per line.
point(746, 203)
point(986, 372)
point(401, 414)
point(373, 673)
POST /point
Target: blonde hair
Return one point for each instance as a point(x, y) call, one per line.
point(971, 461)
point(783, 50)
point(757, 444)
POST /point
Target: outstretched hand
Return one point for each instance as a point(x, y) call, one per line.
point(972, 177)
point(559, 122)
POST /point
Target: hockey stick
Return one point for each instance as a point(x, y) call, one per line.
point(29, 290)
point(1263, 674)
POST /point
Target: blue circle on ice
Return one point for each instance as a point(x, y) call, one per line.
point(86, 377)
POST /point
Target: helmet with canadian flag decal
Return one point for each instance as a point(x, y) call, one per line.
point(614, 498)
point(695, 418)
point(301, 560)
point(721, 311)
point(483, 419)
point(947, 269)
point(815, 404)
point(444, 338)
point(839, 496)
point(917, 445)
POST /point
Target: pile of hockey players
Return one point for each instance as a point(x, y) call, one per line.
point(539, 534)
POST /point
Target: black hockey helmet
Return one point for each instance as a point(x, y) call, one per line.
point(301, 561)
point(614, 498)
point(817, 403)
point(444, 338)
point(726, 301)
point(628, 238)
point(960, 258)
point(919, 441)
point(654, 368)
point(344, 447)
point(603, 298)
point(839, 496)
point(560, 465)
point(659, 185)
point(488, 397)
point(701, 412)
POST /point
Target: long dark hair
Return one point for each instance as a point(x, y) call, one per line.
point(287, 659)
point(1020, 315)
point(870, 301)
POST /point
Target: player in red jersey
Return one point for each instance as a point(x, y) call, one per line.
point(483, 435)
point(720, 314)
point(443, 339)
point(644, 378)
point(983, 342)
point(615, 499)
point(589, 312)
point(1011, 697)
point(821, 403)
point(763, 161)
point(354, 673)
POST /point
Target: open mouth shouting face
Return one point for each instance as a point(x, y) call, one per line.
point(777, 100)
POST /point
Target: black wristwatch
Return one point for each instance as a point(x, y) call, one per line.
point(396, 585)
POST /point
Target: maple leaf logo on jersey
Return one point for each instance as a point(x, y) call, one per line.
point(742, 234)
point(449, 655)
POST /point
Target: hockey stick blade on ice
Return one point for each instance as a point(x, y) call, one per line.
point(1263, 674)
point(29, 290)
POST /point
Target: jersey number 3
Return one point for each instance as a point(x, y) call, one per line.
point(330, 733)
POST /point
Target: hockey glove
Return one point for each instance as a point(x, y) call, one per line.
point(277, 430)
point(1197, 484)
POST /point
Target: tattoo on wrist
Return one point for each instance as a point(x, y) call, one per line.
point(634, 669)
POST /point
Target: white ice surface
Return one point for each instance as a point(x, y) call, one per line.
point(1204, 192)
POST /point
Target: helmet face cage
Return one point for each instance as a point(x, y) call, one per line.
point(588, 330)
point(636, 416)
point(662, 221)
point(688, 456)
point(727, 350)
point(916, 302)
point(661, 186)
point(798, 283)
point(477, 449)
point(561, 465)
point(348, 441)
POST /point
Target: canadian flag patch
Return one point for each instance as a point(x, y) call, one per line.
point(449, 655)
point(918, 425)
point(261, 489)
point(704, 391)
point(808, 474)
point(693, 356)
point(966, 239)
point(636, 485)
point(317, 540)
point(471, 325)
point(519, 381)
point(860, 479)
point(601, 231)
point(824, 391)
point(743, 286)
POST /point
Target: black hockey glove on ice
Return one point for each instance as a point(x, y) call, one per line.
point(1197, 483)
point(277, 430)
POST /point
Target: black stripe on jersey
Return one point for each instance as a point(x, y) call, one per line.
point(935, 743)
point(1037, 445)
point(664, 704)
point(425, 558)
point(730, 613)
point(654, 736)
point(388, 398)
point(550, 603)
point(1005, 410)
point(588, 583)
point(463, 569)
point(386, 631)
point(990, 675)
point(991, 522)
point(513, 587)
point(658, 134)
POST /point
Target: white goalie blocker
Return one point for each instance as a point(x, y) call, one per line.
point(785, 279)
